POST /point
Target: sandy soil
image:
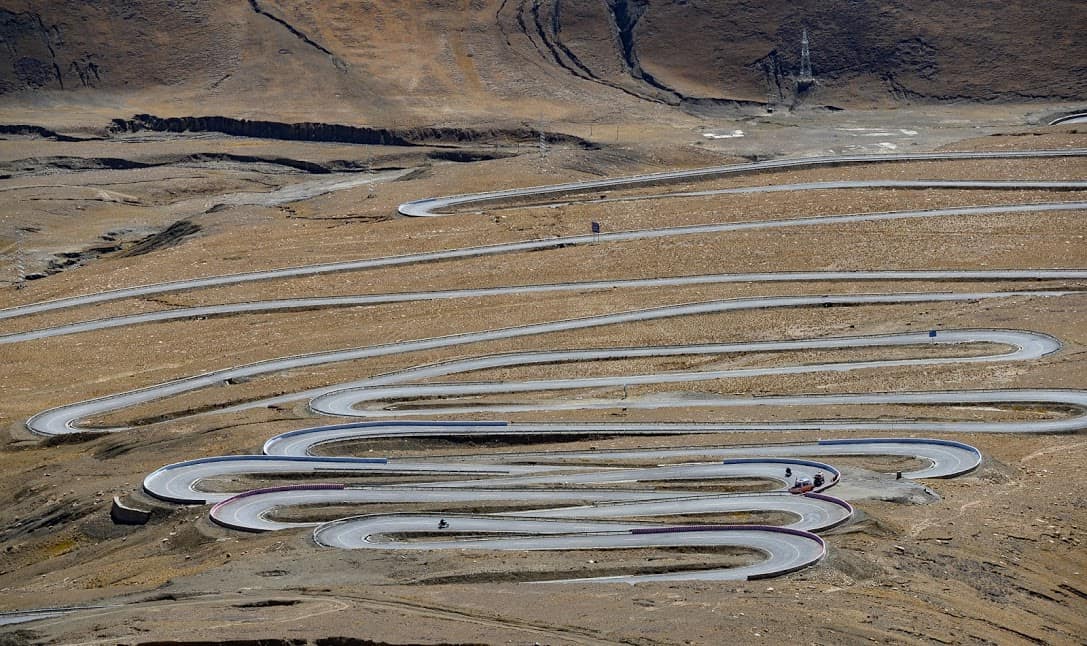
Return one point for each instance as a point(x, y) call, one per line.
point(998, 558)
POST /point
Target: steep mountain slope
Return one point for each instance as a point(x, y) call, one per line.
point(890, 50)
point(434, 60)
point(69, 45)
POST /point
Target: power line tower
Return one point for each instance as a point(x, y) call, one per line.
point(805, 79)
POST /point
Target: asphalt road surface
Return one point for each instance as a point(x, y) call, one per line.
point(578, 503)
point(64, 419)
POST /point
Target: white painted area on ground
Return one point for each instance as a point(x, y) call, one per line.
point(732, 135)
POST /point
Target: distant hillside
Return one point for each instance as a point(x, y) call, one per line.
point(429, 60)
point(870, 50)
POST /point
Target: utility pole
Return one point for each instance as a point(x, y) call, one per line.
point(771, 85)
point(543, 152)
point(20, 262)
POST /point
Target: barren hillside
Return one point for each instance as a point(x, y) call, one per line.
point(428, 61)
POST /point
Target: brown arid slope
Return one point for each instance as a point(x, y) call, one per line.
point(431, 62)
point(882, 52)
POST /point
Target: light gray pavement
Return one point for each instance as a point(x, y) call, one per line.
point(1034, 275)
point(63, 419)
point(585, 526)
point(784, 550)
point(552, 526)
point(759, 469)
point(581, 526)
point(1080, 117)
point(942, 458)
point(27, 616)
point(1076, 400)
point(959, 185)
point(516, 247)
point(181, 482)
point(344, 401)
point(252, 510)
point(433, 207)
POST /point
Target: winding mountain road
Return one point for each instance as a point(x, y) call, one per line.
point(784, 550)
point(577, 503)
point(63, 419)
point(252, 511)
point(311, 303)
point(432, 207)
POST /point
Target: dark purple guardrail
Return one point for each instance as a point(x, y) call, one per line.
point(337, 427)
point(901, 440)
point(257, 492)
point(836, 501)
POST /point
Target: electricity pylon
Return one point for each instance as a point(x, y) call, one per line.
point(805, 79)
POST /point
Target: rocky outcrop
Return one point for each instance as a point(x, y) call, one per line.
point(38, 131)
point(339, 133)
point(30, 50)
point(169, 237)
point(306, 131)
